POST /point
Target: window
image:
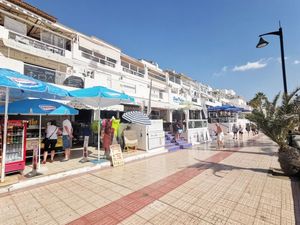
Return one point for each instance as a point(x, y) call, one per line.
point(174, 90)
point(125, 64)
point(142, 71)
point(157, 76)
point(111, 60)
point(132, 69)
point(195, 114)
point(85, 50)
point(174, 79)
point(100, 56)
point(97, 57)
point(53, 39)
point(161, 94)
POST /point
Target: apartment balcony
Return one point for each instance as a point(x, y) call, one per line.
point(133, 72)
point(32, 46)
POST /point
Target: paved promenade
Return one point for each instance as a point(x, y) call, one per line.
point(201, 185)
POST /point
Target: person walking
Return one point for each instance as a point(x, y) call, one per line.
point(220, 136)
point(177, 130)
point(67, 137)
point(235, 130)
point(241, 132)
point(51, 139)
point(248, 129)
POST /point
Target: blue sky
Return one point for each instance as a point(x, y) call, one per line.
point(212, 41)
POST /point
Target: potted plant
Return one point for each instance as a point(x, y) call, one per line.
point(276, 121)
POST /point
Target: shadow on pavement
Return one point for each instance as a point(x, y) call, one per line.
point(217, 167)
point(228, 150)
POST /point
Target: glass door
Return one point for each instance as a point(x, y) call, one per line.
point(15, 137)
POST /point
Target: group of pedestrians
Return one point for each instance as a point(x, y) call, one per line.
point(50, 141)
point(237, 130)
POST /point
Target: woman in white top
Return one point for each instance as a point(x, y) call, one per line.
point(51, 139)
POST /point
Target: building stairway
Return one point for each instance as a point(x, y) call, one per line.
point(173, 145)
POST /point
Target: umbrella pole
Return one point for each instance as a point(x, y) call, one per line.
point(40, 134)
point(4, 135)
point(99, 134)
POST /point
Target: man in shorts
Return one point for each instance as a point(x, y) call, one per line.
point(220, 136)
point(67, 137)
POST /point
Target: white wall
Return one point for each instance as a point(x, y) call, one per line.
point(12, 64)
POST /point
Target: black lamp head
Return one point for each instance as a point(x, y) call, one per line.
point(262, 43)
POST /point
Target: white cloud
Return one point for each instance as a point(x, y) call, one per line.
point(221, 72)
point(250, 66)
point(224, 69)
point(297, 62)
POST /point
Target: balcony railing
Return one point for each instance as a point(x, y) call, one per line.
point(35, 43)
point(98, 60)
point(132, 72)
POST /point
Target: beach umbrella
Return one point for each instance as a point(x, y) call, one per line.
point(98, 97)
point(38, 107)
point(17, 85)
point(136, 117)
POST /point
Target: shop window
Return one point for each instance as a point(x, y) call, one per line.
point(194, 114)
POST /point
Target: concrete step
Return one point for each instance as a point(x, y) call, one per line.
point(169, 138)
point(186, 145)
point(169, 144)
point(173, 148)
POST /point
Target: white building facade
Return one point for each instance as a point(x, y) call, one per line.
point(34, 43)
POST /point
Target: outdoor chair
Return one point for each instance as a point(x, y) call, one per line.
point(130, 139)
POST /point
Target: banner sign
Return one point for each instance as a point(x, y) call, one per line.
point(116, 155)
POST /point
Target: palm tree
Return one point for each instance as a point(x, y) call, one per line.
point(276, 121)
point(258, 100)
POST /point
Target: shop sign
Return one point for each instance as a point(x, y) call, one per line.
point(40, 73)
point(116, 155)
point(178, 100)
point(24, 82)
point(47, 107)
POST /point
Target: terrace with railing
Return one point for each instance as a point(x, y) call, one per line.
point(35, 43)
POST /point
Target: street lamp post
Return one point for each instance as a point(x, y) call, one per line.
point(262, 43)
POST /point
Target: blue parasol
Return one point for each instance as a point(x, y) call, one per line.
point(19, 86)
point(98, 97)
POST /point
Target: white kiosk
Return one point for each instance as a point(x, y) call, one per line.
point(150, 137)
